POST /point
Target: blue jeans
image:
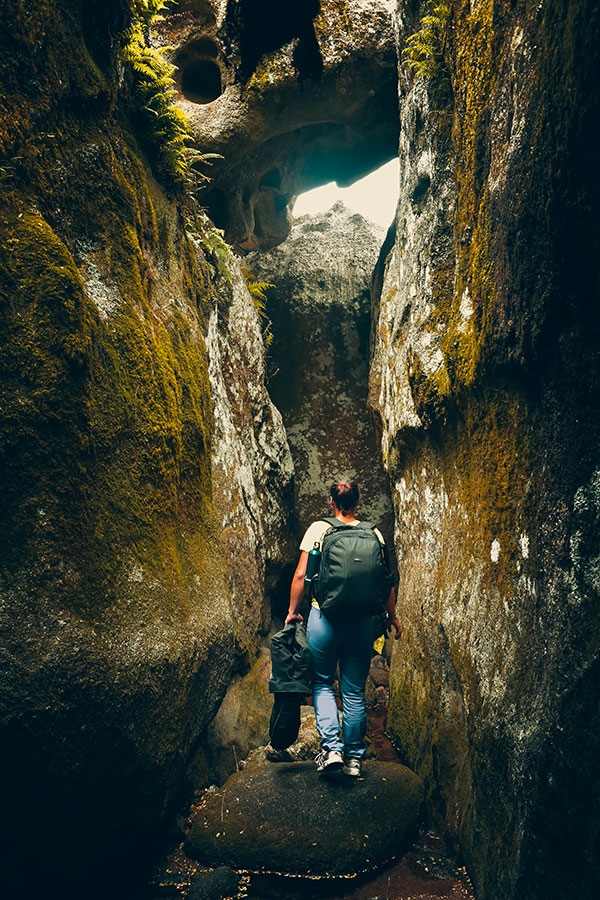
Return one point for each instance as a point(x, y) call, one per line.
point(349, 644)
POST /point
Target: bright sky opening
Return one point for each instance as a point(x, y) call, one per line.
point(374, 197)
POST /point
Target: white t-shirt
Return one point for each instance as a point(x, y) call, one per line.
point(315, 532)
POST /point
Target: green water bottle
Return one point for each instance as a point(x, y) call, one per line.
point(312, 566)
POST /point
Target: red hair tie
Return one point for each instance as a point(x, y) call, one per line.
point(344, 484)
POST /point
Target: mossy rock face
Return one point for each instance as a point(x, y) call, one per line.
point(283, 818)
point(122, 618)
point(115, 603)
point(118, 638)
point(485, 380)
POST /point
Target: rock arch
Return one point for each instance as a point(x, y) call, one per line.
point(311, 95)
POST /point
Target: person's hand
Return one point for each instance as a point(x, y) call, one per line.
point(395, 624)
point(292, 617)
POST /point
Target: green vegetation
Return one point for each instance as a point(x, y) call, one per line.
point(165, 126)
point(217, 251)
point(258, 291)
point(426, 48)
point(106, 398)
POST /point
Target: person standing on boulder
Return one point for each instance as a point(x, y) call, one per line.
point(344, 636)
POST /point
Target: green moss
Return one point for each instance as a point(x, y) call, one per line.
point(258, 292)
point(44, 66)
point(424, 50)
point(473, 76)
point(490, 472)
point(273, 68)
point(106, 432)
point(334, 16)
point(105, 439)
point(164, 126)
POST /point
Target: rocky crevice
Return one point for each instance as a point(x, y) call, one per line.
point(318, 362)
point(146, 478)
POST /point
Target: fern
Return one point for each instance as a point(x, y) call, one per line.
point(166, 127)
point(258, 291)
point(216, 250)
point(425, 49)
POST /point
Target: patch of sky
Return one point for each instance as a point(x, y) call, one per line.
point(375, 197)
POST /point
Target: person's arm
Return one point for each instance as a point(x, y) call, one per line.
point(391, 611)
point(297, 589)
point(391, 601)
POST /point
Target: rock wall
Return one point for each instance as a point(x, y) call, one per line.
point(485, 379)
point(320, 311)
point(144, 474)
point(252, 468)
point(291, 97)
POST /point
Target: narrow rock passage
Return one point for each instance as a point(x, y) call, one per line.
point(427, 871)
point(272, 829)
point(320, 307)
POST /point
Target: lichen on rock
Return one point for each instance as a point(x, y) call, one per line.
point(119, 630)
point(486, 439)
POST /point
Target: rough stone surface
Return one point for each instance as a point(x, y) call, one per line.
point(251, 462)
point(242, 722)
point(241, 725)
point(283, 818)
point(142, 516)
point(320, 307)
point(127, 491)
point(485, 378)
point(283, 122)
point(214, 884)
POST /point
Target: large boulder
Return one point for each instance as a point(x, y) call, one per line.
point(284, 120)
point(485, 379)
point(139, 451)
point(320, 308)
point(283, 818)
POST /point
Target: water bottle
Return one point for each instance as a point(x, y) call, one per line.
point(312, 566)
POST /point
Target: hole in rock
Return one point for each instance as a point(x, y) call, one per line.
point(421, 189)
point(204, 47)
point(267, 25)
point(215, 203)
point(201, 81)
point(271, 179)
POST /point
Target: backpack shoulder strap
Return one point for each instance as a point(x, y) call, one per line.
point(331, 520)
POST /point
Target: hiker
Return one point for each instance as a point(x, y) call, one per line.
point(346, 640)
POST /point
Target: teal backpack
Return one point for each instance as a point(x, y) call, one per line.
point(353, 579)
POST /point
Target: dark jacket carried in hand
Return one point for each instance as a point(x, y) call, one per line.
point(290, 682)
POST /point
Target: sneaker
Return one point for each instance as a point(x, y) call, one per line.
point(352, 767)
point(274, 755)
point(329, 761)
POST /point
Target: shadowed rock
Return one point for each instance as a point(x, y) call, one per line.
point(320, 307)
point(290, 99)
point(283, 818)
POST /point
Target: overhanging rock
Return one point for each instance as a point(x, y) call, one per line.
point(288, 107)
